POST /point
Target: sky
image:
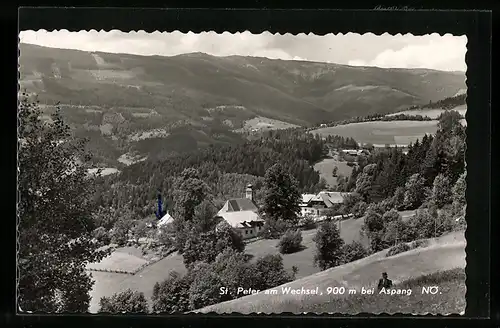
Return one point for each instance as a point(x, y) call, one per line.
point(432, 51)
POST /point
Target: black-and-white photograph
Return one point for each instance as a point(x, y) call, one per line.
point(168, 173)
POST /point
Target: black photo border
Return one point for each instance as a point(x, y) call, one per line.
point(476, 25)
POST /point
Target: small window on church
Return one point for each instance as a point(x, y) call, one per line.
point(246, 232)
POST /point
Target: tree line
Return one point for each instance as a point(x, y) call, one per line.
point(225, 168)
point(430, 179)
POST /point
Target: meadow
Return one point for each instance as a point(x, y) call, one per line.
point(405, 269)
point(263, 124)
point(382, 132)
point(432, 113)
point(325, 168)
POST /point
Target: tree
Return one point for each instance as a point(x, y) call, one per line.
point(199, 247)
point(121, 231)
point(424, 224)
point(458, 194)
point(414, 191)
point(282, 196)
point(441, 191)
point(205, 216)
point(271, 273)
point(391, 216)
point(364, 182)
point(125, 302)
point(359, 209)
point(398, 198)
point(171, 295)
point(139, 230)
point(374, 228)
point(448, 120)
point(227, 237)
point(189, 193)
point(55, 224)
point(204, 290)
point(328, 246)
point(236, 271)
point(205, 246)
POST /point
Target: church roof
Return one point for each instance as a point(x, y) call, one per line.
point(241, 204)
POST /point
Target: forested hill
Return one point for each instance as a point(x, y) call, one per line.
point(188, 86)
point(226, 169)
point(140, 106)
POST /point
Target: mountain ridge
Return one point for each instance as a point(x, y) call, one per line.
point(124, 94)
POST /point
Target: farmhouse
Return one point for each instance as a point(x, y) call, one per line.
point(242, 214)
point(355, 152)
point(318, 205)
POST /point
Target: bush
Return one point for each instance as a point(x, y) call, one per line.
point(290, 242)
point(353, 252)
point(398, 198)
point(128, 301)
point(329, 246)
point(271, 272)
point(171, 295)
point(400, 248)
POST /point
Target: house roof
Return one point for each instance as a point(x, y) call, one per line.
point(307, 197)
point(240, 219)
point(241, 204)
point(165, 219)
point(329, 197)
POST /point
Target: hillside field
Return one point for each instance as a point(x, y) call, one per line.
point(106, 284)
point(443, 253)
point(432, 113)
point(382, 132)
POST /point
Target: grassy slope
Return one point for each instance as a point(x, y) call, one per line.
point(325, 168)
point(106, 284)
point(433, 113)
point(444, 253)
point(449, 300)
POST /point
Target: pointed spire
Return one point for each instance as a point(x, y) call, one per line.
point(159, 213)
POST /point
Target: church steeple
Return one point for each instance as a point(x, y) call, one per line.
point(160, 212)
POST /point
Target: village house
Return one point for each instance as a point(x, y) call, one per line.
point(319, 204)
point(242, 214)
point(167, 218)
point(355, 152)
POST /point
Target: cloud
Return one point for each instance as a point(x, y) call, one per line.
point(446, 53)
point(406, 51)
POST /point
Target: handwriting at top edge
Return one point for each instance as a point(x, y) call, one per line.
point(379, 7)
